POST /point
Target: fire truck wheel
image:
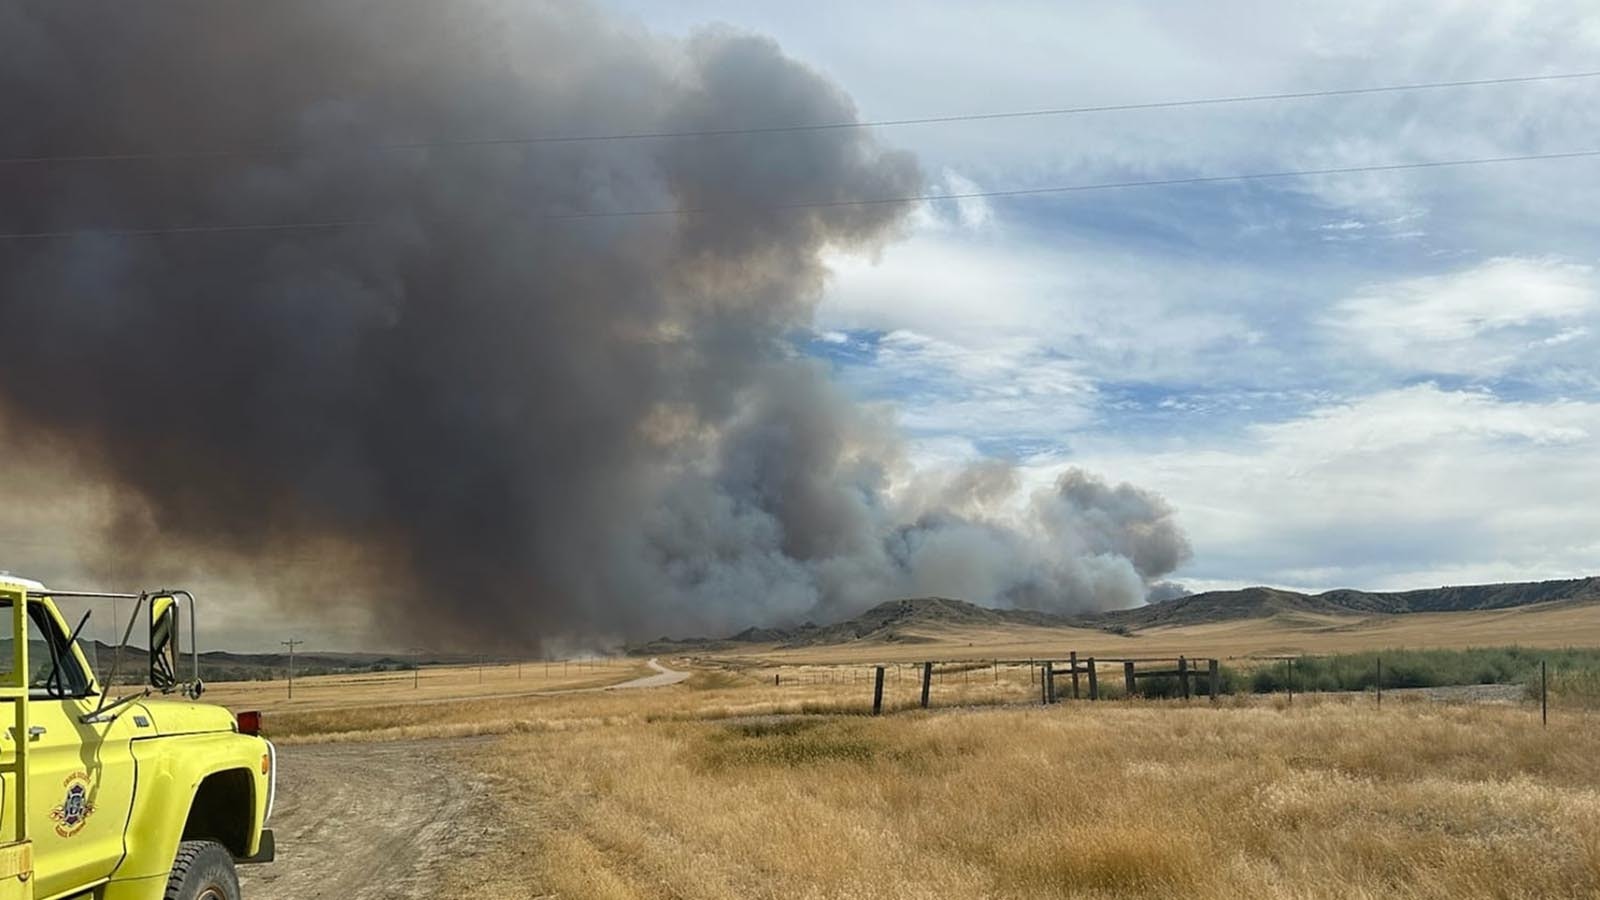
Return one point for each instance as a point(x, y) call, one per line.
point(202, 871)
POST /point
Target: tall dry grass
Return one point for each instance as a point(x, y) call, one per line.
point(1248, 799)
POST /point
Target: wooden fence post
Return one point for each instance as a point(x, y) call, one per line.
point(994, 664)
point(1214, 671)
point(1127, 679)
point(1183, 676)
point(1544, 695)
point(1030, 670)
point(877, 692)
point(1073, 656)
point(1290, 680)
point(1094, 685)
point(1380, 681)
point(927, 679)
point(1049, 682)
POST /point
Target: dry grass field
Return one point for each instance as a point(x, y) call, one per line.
point(761, 777)
point(367, 703)
point(645, 797)
point(730, 786)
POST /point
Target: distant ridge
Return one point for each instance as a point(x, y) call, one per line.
point(1261, 602)
point(885, 621)
point(226, 665)
point(890, 621)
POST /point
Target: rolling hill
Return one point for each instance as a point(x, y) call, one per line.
point(918, 620)
point(1262, 602)
point(889, 622)
point(893, 621)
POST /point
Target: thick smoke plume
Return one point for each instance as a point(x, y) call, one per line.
point(492, 421)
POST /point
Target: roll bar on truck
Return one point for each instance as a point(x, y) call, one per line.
point(150, 795)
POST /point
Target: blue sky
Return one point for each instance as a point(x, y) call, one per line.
point(1382, 381)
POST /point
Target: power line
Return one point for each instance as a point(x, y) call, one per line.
point(192, 229)
point(826, 204)
point(797, 128)
point(1102, 186)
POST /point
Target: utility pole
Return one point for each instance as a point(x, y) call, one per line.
point(416, 668)
point(291, 644)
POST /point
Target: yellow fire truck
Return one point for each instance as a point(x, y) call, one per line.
point(120, 791)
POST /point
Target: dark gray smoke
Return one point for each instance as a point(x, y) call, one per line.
point(507, 424)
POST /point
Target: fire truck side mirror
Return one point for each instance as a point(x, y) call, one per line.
point(163, 642)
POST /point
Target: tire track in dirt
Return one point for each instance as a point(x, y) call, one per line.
point(367, 821)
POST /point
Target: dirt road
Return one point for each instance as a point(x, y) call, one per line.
point(663, 677)
point(378, 821)
point(365, 821)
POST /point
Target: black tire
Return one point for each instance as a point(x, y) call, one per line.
point(202, 871)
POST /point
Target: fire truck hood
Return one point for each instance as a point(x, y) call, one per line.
point(184, 717)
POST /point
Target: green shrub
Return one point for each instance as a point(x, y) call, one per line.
point(1420, 668)
point(1572, 687)
point(787, 743)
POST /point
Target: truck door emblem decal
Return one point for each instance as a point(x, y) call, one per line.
point(76, 809)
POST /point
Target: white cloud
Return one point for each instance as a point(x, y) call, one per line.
point(992, 392)
point(1424, 413)
point(1417, 486)
point(974, 212)
point(1480, 321)
point(951, 59)
point(1119, 315)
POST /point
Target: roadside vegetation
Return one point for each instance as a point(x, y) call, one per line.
point(1575, 687)
point(1574, 673)
point(1417, 669)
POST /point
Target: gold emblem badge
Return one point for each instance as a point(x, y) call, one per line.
point(76, 809)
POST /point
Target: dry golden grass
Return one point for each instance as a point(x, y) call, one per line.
point(709, 694)
point(715, 691)
point(388, 713)
point(760, 778)
point(428, 703)
point(1329, 799)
